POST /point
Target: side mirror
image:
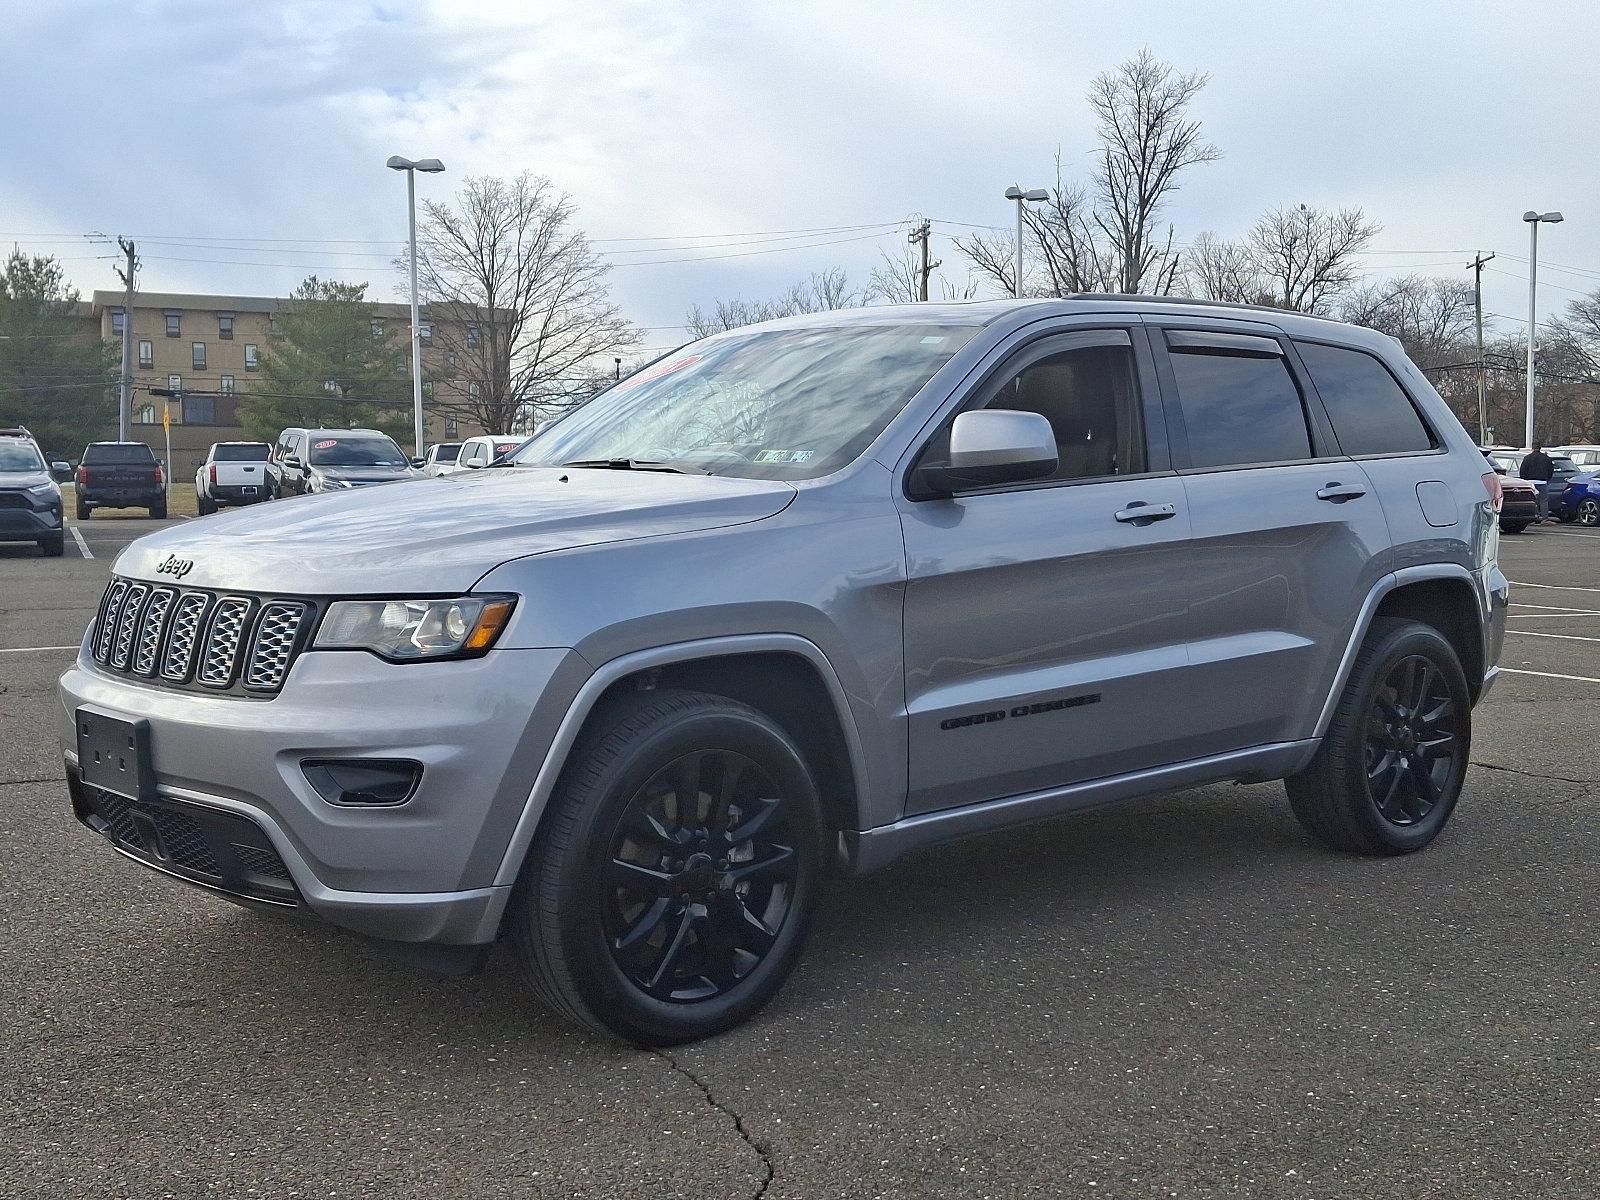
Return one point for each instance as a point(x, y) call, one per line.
point(417, 462)
point(293, 463)
point(61, 470)
point(991, 446)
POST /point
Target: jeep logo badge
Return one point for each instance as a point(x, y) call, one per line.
point(175, 566)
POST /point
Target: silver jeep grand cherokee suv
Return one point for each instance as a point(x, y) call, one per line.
point(799, 597)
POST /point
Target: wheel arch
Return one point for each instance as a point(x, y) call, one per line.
point(785, 676)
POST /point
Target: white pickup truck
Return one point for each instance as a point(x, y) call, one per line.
point(232, 473)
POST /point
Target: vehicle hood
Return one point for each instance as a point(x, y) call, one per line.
point(22, 479)
point(366, 474)
point(440, 534)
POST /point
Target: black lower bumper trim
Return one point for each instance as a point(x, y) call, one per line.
point(215, 849)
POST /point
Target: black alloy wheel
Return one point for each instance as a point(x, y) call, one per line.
point(1412, 741)
point(1589, 512)
point(701, 877)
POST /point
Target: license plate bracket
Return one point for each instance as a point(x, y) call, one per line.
point(114, 754)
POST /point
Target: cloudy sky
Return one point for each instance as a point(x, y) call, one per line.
point(244, 144)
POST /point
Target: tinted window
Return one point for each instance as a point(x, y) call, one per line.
point(18, 455)
point(356, 452)
point(122, 452)
point(447, 453)
point(1239, 408)
point(240, 453)
point(1369, 411)
point(1089, 397)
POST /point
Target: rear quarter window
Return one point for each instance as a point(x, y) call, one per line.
point(1370, 411)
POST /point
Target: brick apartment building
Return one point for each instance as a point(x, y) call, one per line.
point(209, 347)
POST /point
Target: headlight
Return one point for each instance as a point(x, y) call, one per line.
point(42, 489)
point(329, 484)
point(409, 630)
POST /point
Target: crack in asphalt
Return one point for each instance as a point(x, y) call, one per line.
point(47, 779)
point(1586, 784)
point(769, 1172)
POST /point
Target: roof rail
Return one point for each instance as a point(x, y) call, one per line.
point(1141, 298)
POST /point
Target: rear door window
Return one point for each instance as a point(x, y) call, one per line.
point(1371, 413)
point(1240, 406)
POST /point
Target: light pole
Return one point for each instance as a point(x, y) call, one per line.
point(432, 166)
point(1021, 197)
point(1534, 220)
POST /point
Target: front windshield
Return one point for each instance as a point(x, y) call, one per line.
point(365, 451)
point(769, 404)
point(18, 455)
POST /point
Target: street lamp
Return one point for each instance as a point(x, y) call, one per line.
point(432, 166)
point(1021, 197)
point(1534, 220)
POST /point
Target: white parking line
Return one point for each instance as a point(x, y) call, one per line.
point(1555, 608)
point(83, 546)
point(1565, 637)
point(1550, 675)
point(1555, 587)
point(35, 649)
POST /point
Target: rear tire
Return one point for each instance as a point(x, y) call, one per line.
point(641, 911)
point(1390, 768)
point(204, 505)
point(1589, 513)
point(83, 511)
point(158, 512)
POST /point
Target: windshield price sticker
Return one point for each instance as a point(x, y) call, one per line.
point(328, 444)
point(785, 456)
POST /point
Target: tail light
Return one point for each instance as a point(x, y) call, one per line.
point(1496, 490)
point(160, 478)
point(83, 476)
point(213, 472)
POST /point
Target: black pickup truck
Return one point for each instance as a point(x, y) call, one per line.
point(120, 475)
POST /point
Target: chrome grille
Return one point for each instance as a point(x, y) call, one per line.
point(193, 638)
point(128, 623)
point(274, 642)
point(110, 610)
point(155, 619)
point(185, 632)
point(223, 635)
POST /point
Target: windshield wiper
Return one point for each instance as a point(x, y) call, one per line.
point(631, 464)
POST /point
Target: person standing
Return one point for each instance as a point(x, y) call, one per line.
point(1538, 470)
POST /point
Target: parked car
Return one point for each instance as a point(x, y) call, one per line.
point(1580, 501)
point(30, 498)
point(1519, 506)
point(441, 458)
point(120, 475)
point(1565, 470)
point(1586, 458)
point(482, 450)
point(925, 571)
point(331, 460)
point(233, 473)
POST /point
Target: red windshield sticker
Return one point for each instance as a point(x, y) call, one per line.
point(656, 372)
point(327, 445)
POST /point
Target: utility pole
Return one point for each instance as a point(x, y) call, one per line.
point(125, 403)
point(1476, 267)
point(920, 235)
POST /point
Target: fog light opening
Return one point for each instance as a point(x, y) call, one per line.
point(363, 782)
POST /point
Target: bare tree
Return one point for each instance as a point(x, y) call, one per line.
point(1431, 318)
point(1147, 140)
point(1307, 255)
point(822, 292)
point(896, 280)
point(1216, 269)
point(524, 300)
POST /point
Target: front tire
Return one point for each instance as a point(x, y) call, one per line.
point(1513, 526)
point(1390, 768)
point(53, 546)
point(672, 883)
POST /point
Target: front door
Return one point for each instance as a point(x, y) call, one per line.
point(1045, 622)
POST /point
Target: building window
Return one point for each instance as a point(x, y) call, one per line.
point(450, 361)
point(199, 356)
point(116, 321)
point(250, 363)
point(227, 385)
point(272, 324)
point(473, 391)
point(199, 410)
point(225, 328)
point(146, 415)
point(174, 326)
point(452, 427)
point(425, 331)
point(378, 330)
point(427, 390)
point(147, 354)
point(175, 383)
point(473, 337)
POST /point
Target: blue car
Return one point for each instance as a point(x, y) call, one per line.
point(1580, 501)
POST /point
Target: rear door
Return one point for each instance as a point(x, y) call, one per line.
point(1045, 621)
point(1289, 536)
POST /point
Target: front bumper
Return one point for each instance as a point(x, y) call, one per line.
point(28, 524)
point(122, 497)
point(422, 871)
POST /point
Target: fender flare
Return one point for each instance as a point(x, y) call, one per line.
point(628, 664)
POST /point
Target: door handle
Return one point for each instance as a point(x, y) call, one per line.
point(1141, 513)
point(1338, 493)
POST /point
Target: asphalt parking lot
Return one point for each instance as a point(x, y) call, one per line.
point(1175, 998)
